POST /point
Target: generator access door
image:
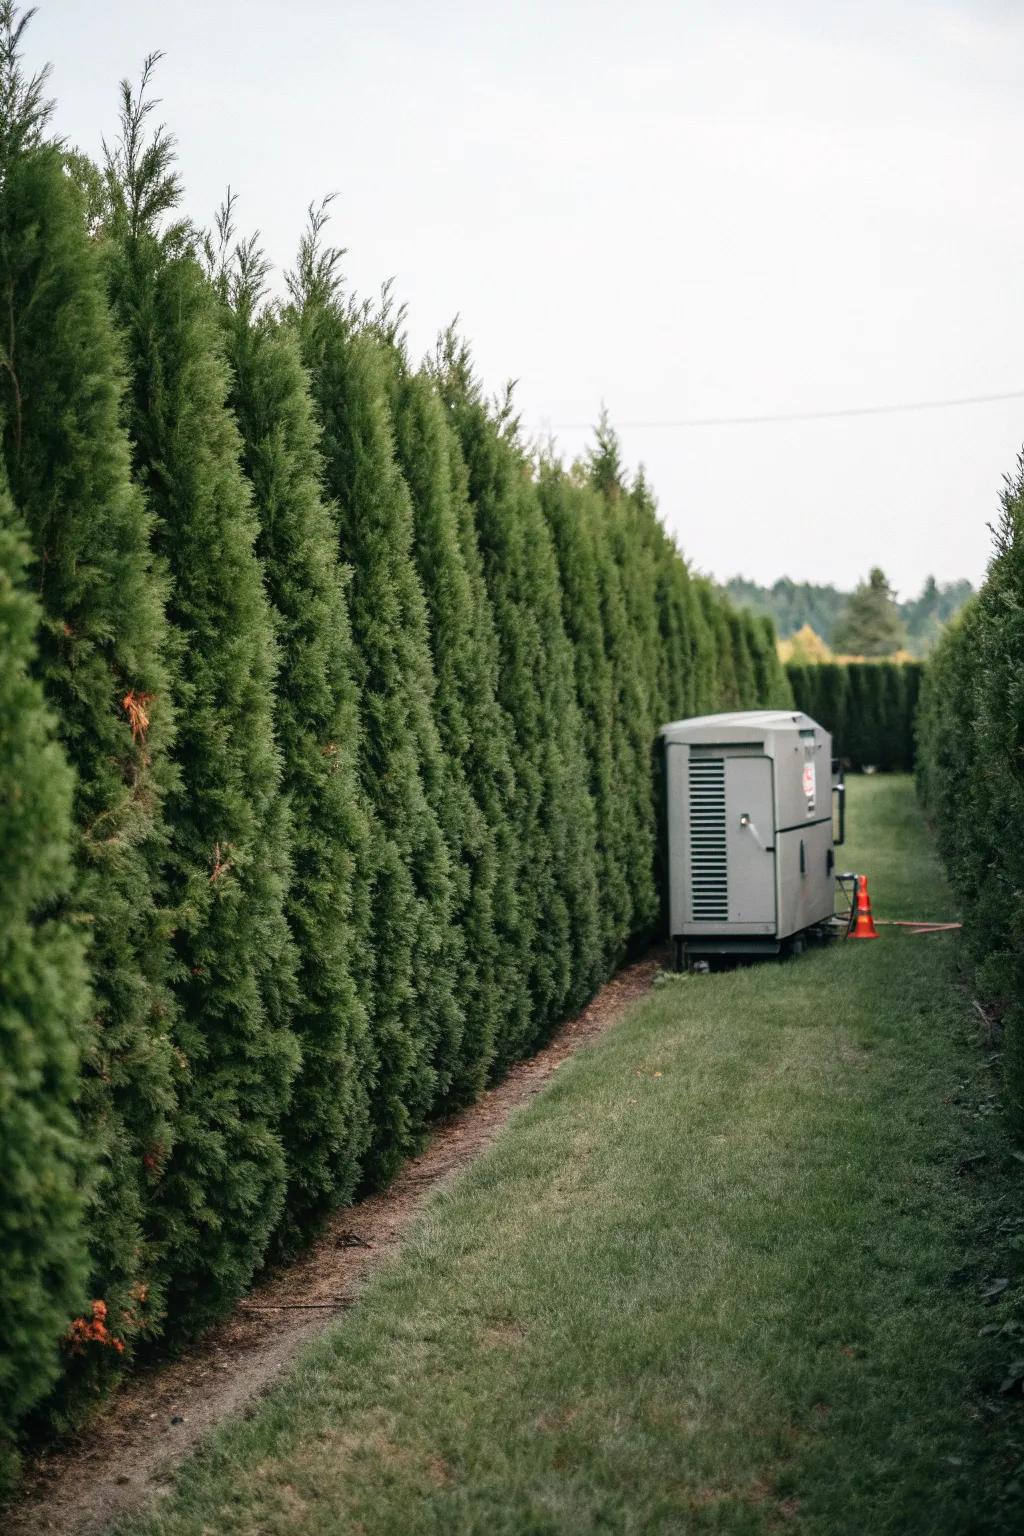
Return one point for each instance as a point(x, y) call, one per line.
point(750, 838)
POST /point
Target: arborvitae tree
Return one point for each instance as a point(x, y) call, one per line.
point(489, 768)
point(558, 935)
point(631, 548)
point(43, 1003)
point(743, 661)
point(669, 605)
point(772, 690)
point(416, 1017)
point(326, 1129)
point(475, 784)
point(700, 694)
point(573, 516)
point(831, 704)
point(100, 660)
point(948, 777)
point(799, 676)
point(866, 726)
point(912, 671)
point(972, 747)
point(633, 685)
point(222, 1186)
point(727, 689)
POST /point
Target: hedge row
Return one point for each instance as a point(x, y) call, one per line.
point(326, 717)
point(971, 777)
point(869, 707)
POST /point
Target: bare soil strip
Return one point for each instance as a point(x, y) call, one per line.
point(160, 1414)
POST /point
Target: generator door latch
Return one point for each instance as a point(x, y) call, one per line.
point(746, 822)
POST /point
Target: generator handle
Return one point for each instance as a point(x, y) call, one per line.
point(839, 788)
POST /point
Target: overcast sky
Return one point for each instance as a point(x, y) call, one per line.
point(683, 210)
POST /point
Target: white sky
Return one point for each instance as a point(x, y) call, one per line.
point(683, 210)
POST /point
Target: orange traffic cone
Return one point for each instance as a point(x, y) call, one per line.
point(863, 922)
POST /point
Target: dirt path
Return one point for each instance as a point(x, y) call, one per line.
point(161, 1413)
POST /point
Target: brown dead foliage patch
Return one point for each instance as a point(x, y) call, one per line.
point(132, 1448)
point(501, 1333)
point(553, 1422)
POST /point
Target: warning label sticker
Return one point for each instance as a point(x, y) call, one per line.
point(810, 783)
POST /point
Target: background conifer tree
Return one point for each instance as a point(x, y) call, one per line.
point(43, 1001)
point(416, 1018)
point(326, 1128)
point(870, 624)
point(222, 1189)
point(554, 815)
point(627, 584)
point(573, 517)
point(476, 776)
point(100, 660)
point(743, 661)
point(772, 690)
point(726, 683)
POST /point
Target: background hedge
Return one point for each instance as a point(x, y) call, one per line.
point(869, 707)
point(359, 699)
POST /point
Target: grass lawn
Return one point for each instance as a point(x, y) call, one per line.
point(722, 1275)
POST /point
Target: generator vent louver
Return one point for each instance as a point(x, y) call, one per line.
point(709, 877)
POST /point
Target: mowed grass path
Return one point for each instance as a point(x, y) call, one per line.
point(710, 1280)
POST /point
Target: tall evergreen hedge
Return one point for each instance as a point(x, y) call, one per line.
point(221, 1185)
point(556, 943)
point(316, 716)
point(628, 583)
point(43, 1003)
point(476, 780)
point(360, 697)
point(416, 1016)
point(102, 665)
point(869, 708)
point(575, 525)
point(970, 755)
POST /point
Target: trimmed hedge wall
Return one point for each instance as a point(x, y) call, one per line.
point(330, 723)
point(971, 778)
point(868, 706)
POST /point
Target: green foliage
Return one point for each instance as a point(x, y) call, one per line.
point(416, 1016)
point(870, 624)
point(316, 715)
point(573, 515)
point(361, 704)
point(101, 664)
point(43, 1002)
point(792, 605)
point(220, 1189)
point(475, 780)
point(771, 685)
point(622, 575)
point(868, 707)
point(971, 747)
point(926, 616)
point(556, 942)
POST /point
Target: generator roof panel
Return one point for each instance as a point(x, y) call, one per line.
point(738, 725)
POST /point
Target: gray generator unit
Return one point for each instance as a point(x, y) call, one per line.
point(749, 827)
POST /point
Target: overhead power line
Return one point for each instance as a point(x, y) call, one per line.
point(772, 417)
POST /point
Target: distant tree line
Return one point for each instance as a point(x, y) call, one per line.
point(867, 622)
point(326, 724)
